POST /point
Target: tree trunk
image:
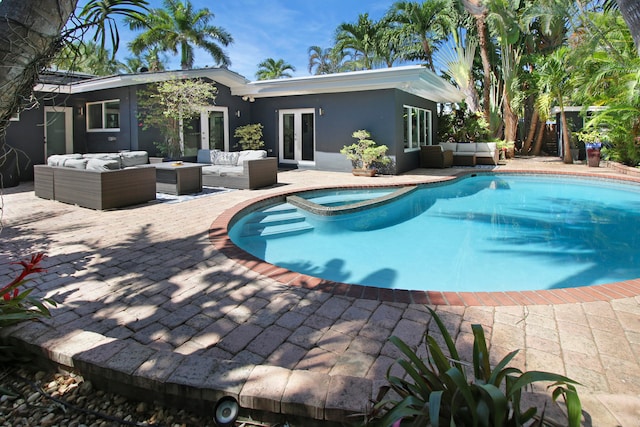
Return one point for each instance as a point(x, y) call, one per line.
point(630, 10)
point(566, 144)
point(486, 66)
point(29, 36)
point(537, 147)
point(510, 120)
point(535, 119)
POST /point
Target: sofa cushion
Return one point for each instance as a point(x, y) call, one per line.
point(103, 164)
point(75, 163)
point(58, 159)
point(485, 147)
point(134, 158)
point(448, 146)
point(465, 147)
point(222, 170)
point(226, 158)
point(250, 155)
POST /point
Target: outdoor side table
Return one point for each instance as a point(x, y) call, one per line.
point(178, 178)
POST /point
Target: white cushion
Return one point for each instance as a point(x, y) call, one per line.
point(485, 147)
point(103, 164)
point(58, 159)
point(250, 155)
point(448, 146)
point(227, 158)
point(466, 147)
point(134, 158)
point(75, 163)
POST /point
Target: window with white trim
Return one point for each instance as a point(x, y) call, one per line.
point(103, 116)
point(417, 127)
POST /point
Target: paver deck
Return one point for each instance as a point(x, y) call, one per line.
point(148, 306)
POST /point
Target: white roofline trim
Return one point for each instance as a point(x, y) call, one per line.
point(414, 79)
point(221, 75)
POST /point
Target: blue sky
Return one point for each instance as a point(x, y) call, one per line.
point(279, 29)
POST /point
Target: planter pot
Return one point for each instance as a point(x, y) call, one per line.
point(364, 172)
point(593, 157)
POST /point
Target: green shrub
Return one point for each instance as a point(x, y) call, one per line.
point(250, 136)
point(365, 152)
point(436, 392)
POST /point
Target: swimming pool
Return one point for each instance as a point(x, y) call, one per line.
point(490, 232)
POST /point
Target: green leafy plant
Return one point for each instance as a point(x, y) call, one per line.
point(437, 392)
point(250, 136)
point(169, 105)
point(18, 305)
point(365, 152)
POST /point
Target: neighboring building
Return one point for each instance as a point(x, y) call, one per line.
point(307, 120)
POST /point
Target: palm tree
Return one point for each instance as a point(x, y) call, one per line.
point(361, 38)
point(631, 14)
point(87, 58)
point(554, 85)
point(424, 21)
point(272, 69)
point(179, 27)
point(325, 61)
point(479, 11)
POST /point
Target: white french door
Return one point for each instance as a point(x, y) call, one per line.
point(297, 136)
point(58, 130)
point(210, 131)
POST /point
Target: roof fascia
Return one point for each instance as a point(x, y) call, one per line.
point(220, 75)
point(416, 80)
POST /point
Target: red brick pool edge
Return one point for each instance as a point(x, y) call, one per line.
point(219, 237)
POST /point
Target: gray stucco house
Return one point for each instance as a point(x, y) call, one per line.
point(307, 120)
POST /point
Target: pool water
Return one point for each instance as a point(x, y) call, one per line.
point(490, 232)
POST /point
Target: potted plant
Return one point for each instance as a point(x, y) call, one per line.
point(364, 153)
point(250, 136)
point(592, 140)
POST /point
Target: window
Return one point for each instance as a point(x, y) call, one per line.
point(417, 127)
point(103, 116)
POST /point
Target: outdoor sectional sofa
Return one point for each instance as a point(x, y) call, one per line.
point(247, 169)
point(96, 181)
point(472, 153)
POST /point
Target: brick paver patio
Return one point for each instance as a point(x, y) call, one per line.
point(148, 304)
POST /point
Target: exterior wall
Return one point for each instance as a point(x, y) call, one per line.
point(380, 112)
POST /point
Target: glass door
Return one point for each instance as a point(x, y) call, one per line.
point(209, 131)
point(58, 130)
point(297, 136)
point(215, 133)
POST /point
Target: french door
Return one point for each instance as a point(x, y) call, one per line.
point(210, 131)
point(297, 136)
point(58, 130)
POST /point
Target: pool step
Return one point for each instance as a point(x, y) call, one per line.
point(283, 221)
point(281, 230)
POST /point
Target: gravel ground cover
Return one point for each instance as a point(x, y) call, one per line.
point(30, 398)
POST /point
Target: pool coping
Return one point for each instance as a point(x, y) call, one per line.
point(219, 238)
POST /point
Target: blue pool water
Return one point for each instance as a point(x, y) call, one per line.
point(490, 232)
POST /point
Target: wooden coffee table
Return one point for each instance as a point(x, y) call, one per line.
point(178, 177)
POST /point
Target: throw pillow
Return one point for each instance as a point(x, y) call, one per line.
point(227, 158)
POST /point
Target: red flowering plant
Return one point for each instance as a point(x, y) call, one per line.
point(16, 304)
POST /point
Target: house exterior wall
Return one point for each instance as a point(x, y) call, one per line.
point(379, 112)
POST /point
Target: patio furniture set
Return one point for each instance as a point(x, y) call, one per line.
point(448, 154)
point(114, 180)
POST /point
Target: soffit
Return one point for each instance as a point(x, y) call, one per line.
point(220, 75)
point(416, 80)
